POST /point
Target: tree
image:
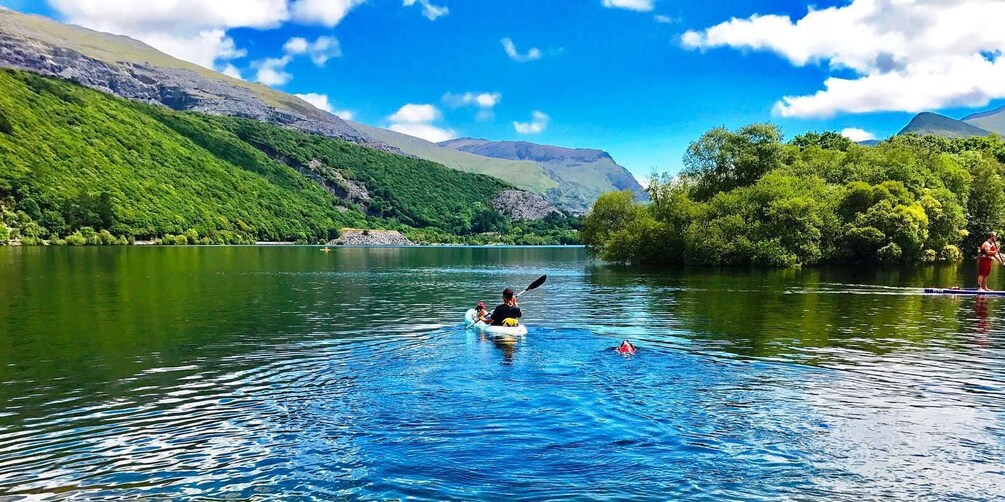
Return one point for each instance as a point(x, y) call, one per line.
point(721, 160)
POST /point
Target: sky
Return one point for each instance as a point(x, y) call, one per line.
point(640, 79)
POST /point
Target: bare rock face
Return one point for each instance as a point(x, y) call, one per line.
point(29, 43)
point(521, 206)
point(356, 237)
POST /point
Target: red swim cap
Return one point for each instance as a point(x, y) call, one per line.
point(626, 348)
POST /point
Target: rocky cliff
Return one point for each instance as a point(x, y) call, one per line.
point(131, 69)
point(520, 205)
point(355, 237)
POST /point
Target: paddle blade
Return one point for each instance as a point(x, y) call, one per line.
point(538, 282)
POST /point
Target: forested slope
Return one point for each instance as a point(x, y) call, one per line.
point(72, 158)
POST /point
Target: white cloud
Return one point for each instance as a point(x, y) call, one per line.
point(320, 50)
point(896, 55)
point(191, 30)
point(660, 18)
point(417, 120)
point(414, 114)
point(856, 134)
point(510, 48)
point(484, 101)
point(536, 126)
point(322, 102)
point(427, 132)
point(324, 12)
point(232, 71)
point(428, 9)
point(636, 5)
point(272, 71)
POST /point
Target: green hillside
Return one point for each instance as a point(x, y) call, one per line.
point(73, 158)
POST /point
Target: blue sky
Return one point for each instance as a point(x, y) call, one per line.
point(638, 78)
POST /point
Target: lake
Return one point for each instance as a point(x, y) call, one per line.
point(253, 372)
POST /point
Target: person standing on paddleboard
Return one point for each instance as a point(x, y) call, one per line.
point(987, 257)
point(508, 313)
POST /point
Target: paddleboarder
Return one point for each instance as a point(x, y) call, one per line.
point(987, 255)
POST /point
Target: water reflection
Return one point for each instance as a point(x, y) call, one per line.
point(250, 372)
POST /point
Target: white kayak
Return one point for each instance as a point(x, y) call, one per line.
point(469, 317)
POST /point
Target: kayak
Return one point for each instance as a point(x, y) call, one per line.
point(935, 291)
point(469, 317)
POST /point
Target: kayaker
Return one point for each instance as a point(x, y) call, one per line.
point(988, 253)
point(508, 313)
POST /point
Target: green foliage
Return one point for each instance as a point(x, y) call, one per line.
point(745, 198)
point(721, 160)
point(136, 171)
point(4, 235)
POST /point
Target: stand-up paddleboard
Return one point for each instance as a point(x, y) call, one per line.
point(935, 291)
point(469, 318)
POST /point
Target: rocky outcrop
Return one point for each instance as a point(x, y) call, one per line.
point(356, 237)
point(521, 206)
point(120, 66)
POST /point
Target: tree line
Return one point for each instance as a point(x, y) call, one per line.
point(746, 197)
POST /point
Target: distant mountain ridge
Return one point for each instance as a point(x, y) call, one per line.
point(928, 123)
point(523, 150)
point(571, 178)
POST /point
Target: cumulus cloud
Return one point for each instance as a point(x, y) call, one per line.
point(536, 126)
point(196, 30)
point(636, 5)
point(323, 102)
point(484, 101)
point(510, 48)
point(417, 120)
point(232, 71)
point(895, 55)
point(320, 50)
point(192, 30)
point(272, 71)
point(428, 9)
point(324, 12)
point(856, 134)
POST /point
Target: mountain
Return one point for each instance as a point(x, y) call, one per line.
point(582, 174)
point(134, 70)
point(78, 160)
point(939, 125)
point(991, 120)
point(523, 174)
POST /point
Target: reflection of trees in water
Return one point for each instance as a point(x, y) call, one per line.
point(767, 312)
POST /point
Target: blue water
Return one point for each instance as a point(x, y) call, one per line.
point(286, 373)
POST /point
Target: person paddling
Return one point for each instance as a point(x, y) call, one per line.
point(988, 255)
point(506, 314)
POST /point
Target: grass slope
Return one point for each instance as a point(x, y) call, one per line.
point(72, 157)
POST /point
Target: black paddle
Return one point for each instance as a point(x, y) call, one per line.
point(533, 285)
